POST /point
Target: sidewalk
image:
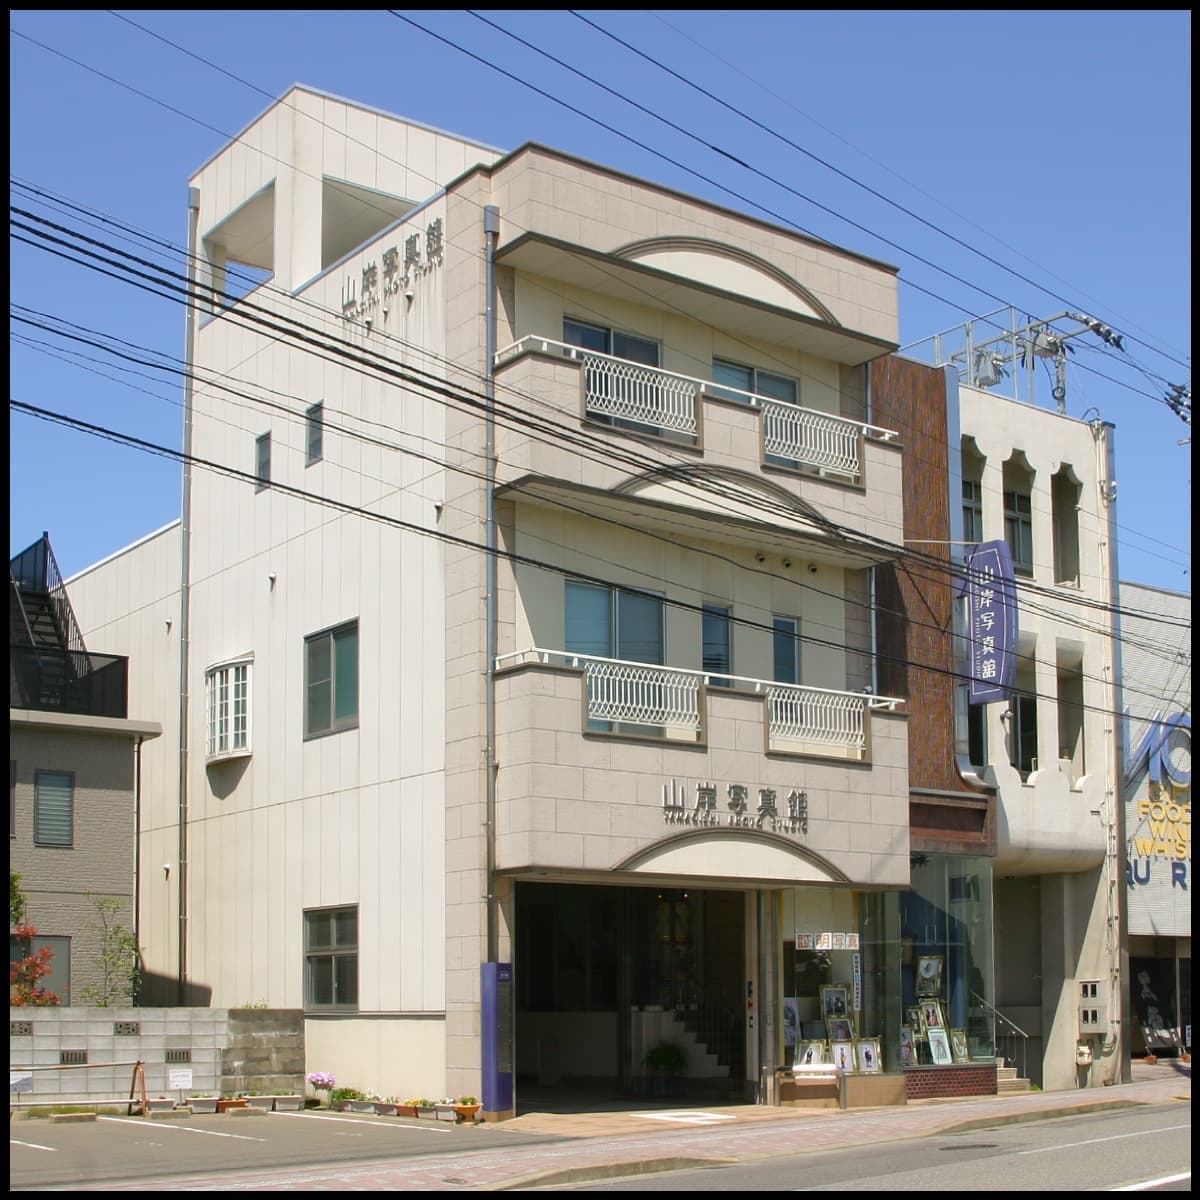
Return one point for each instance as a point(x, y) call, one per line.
point(612, 1144)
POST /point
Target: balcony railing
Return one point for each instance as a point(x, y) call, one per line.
point(665, 701)
point(68, 681)
point(658, 401)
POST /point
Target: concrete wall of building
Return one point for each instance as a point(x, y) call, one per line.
point(61, 884)
point(575, 201)
point(129, 604)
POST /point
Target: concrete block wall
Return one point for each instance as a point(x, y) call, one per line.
point(227, 1050)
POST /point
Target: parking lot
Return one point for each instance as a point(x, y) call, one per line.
point(45, 1154)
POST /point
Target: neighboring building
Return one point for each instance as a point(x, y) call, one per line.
point(1041, 482)
point(1156, 647)
point(74, 783)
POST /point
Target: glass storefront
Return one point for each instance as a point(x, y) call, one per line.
point(905, 978)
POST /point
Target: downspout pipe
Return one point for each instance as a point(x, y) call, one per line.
point(1104, 432)
point(185, 546)
point(491, 230)
point(137, 856)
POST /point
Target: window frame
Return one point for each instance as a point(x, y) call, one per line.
point(38, 839)
point(715, 617)
point(972, 508)
point(753, 389)
point(314, 433)
point(334, 951)
point(262, 461)
point(776, 634)
point(336, 724)
point(218, 753)
point(1016, 522)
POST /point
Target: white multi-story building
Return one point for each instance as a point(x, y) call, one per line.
point(535, 627)
point(1156, 628)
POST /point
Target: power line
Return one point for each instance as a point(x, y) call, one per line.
point(440, 535)
point(240, 312)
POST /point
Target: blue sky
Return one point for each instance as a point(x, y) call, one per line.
point(1057, 144)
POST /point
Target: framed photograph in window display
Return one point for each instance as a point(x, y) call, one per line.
point(958, 1046)
point(835, 1001)
point(939, 1047)
point(810, 1054)
point(841, 1029)
point(929, 974)
point(931, 1016)
point(843, 1055)
point(868, 1055)
point(912, 1014)
point(908, 1052)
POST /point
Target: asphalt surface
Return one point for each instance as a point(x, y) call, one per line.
point(589, 1146)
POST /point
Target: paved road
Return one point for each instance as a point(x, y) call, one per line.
point(535, 1148)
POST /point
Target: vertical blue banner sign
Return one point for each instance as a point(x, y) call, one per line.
point(991, 592)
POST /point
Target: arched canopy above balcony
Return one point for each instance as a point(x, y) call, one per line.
point(750, 300)
point(710, 504)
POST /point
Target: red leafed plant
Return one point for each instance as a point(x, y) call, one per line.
point(23, 976)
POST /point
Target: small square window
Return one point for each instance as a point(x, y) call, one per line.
point(262, 462)
point(54, 809)
point(331, 680)
point(331, 958)
point(314, 434)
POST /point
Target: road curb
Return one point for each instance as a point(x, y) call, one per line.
point(611, 1170)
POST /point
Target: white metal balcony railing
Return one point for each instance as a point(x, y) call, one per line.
point(667, 700)
point(659, 400)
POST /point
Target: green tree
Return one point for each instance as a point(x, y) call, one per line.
point(118, 957)
point(16, 899)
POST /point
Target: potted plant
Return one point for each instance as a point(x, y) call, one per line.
point(259, 1100)
point(406, 1108)
point(466, 1108)
point(425, 1108)
point(341, 1098)
point(385, 1106)
point(159, 1104)
point(322, 1081)
point(203, 1104)
point(444, 1109)
point(228, 1102)
point(665, 1061)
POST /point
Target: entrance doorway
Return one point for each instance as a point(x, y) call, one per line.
point(605, 974)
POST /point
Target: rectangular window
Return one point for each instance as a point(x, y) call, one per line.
point(1018, 530)
point(58, 980)
point(331, 680)
point(972, 497)
point(786, 658)
point(331, 958)
point(1025, 734)
point(717, 656)
point(262, 462)
point(53, 808)
point(314, 433)
point(227, 693)
point(751, 379)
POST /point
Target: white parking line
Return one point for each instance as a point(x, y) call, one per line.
point(687, 1118)
point(426, 1127)
point(1153, 1183)
point(32, 1145)
point(241, 1137)
point(1117, 1137)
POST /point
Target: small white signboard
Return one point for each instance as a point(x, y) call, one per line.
point(180, 1079)
point(20, 1081)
